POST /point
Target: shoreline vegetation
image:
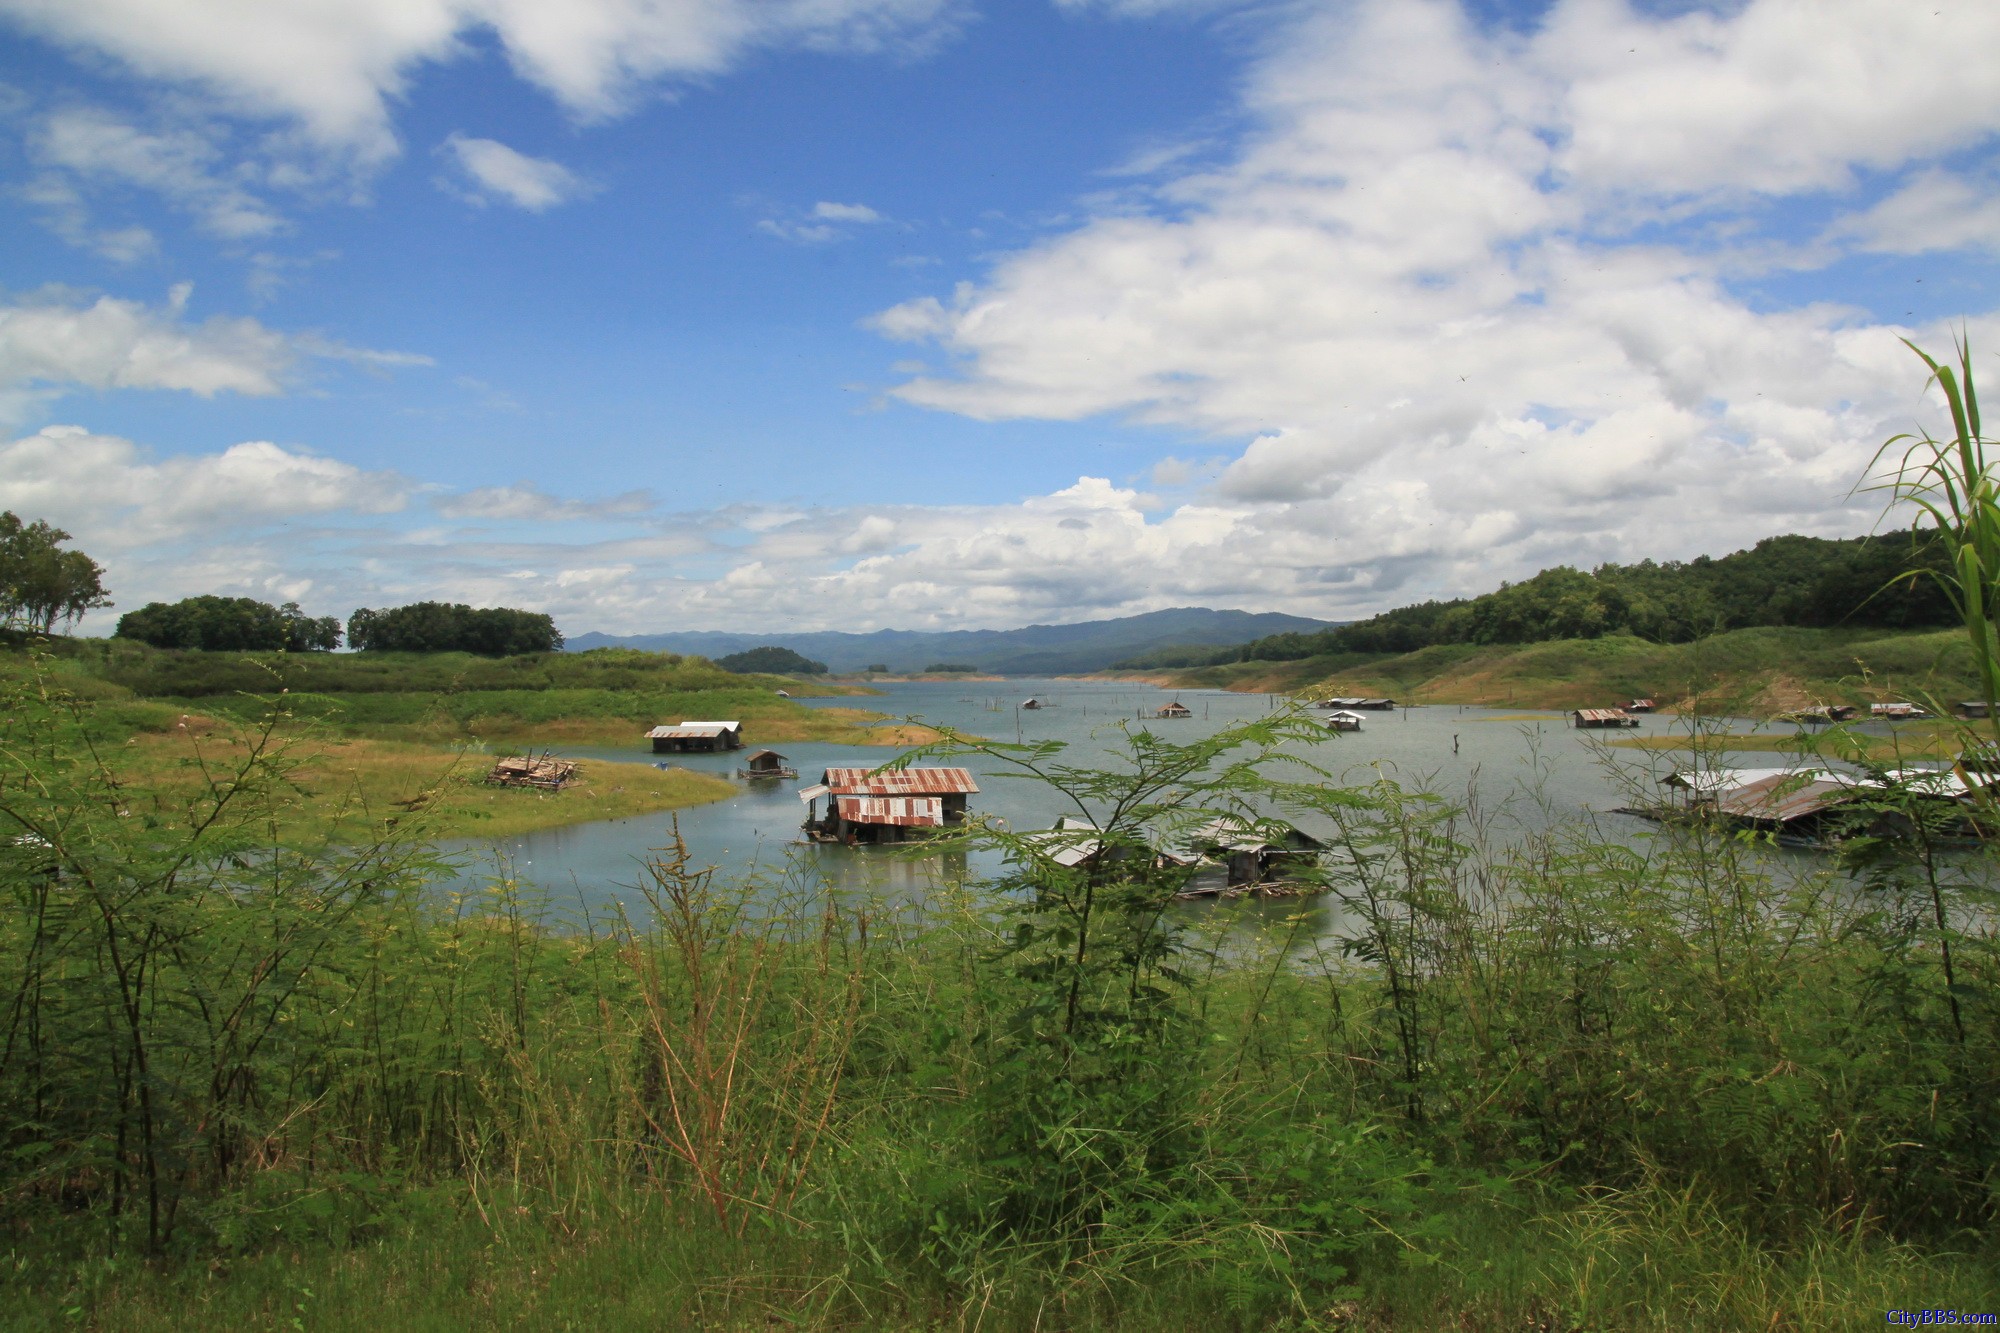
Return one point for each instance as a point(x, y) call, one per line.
point(256, 1071)
point(1758, 672)
point(1565, 1084)
point(386, 733)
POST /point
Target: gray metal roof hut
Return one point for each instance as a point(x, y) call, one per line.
point(698, 737)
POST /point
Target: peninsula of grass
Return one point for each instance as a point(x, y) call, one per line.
point(381, 735)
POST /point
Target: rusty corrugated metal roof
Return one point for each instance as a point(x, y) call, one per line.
point(901, 782)
point(1603, 715)
point(903, 811)
point(1781, 800)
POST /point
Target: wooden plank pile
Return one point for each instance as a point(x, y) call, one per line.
point(543, 772)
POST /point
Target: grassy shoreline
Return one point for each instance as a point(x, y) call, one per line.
point(397, 732)
point(1752, 672)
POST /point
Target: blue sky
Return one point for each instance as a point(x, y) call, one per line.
point(858, 313)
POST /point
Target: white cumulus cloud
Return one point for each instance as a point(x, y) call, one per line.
point(491, 170)
point(53, 341)
point(1418, 304)
point(335, 66)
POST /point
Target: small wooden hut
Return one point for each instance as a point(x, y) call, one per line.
point(1972, 708)
point(1640, 706)
point(1345, 719)
point(696, 737)
point(766, 764)
point(1174, 709)
point(1033, 703)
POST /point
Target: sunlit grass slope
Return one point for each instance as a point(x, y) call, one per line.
point(1760, 671)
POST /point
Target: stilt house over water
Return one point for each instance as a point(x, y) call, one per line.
point(1174, 709)
point(865, 806)
point(696, 737)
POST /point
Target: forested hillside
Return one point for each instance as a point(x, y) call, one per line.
point(1803, 582)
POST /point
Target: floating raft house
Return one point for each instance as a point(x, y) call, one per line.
point(766, 764)
point(1356, 701)
point(696, 737)
point(1269, 857)
point(1602, 717)
point(867, 806)
point(1174, 709)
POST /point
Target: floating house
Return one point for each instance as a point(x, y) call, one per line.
point(543, 772)
point(1972, 708)
point(1376, 705)
point(1791, 805)
point(1356, 701)
point(1264, 857)
point(696, 737)
point(1640, 706)
point(1174, 709)
point(1032, 703)
point(863, 805)
point(1898, 712)
point(766, 764)
point(1602, 717)
point(1344, 720)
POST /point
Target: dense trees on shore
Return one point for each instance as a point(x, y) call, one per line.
point(442, 627)
point(224, 624)
point(1810, 582)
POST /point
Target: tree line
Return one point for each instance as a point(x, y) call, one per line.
point(1811, 582)
point(244, 624)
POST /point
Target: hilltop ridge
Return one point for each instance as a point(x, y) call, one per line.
point(1090, 645)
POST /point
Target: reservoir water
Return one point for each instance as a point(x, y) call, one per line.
point(1525, 769)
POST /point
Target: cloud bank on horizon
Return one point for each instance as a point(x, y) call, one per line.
point(1448, 301)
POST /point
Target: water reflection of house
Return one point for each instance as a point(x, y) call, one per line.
point(697, 737)
point(1174, 709)
point(864, 805)
point(766, 764)
point(1260, 856)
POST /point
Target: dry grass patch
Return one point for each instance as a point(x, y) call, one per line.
point(346, 787)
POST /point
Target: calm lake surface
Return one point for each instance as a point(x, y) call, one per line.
point(1526, 769)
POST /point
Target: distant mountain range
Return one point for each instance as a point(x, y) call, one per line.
point(1031, 651)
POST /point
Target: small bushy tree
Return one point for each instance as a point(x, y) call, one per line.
point(40, 582)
